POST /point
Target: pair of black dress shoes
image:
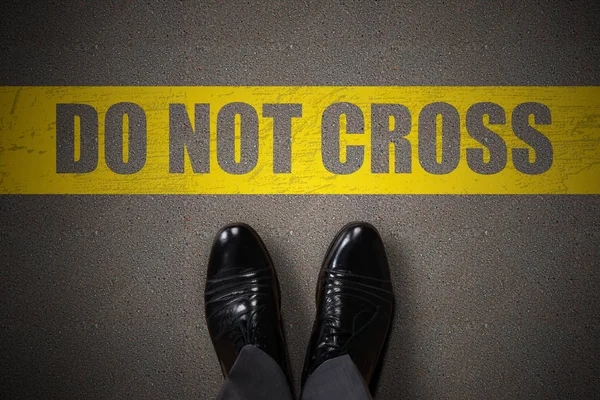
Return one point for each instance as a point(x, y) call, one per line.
point(354, 298)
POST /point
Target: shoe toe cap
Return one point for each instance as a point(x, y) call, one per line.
point(359, 248)
point(237, 248)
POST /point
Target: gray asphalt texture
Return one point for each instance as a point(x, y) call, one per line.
point(498, 296)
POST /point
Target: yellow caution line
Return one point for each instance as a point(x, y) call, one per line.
point(300, 140)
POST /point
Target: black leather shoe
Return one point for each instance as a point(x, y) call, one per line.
point(355, 302)
point(242, 298)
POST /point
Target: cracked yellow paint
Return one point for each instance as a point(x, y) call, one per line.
point(28, 142)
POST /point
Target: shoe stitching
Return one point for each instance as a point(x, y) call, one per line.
point(248, 274)
point(235, 285)
point(354, 275)
point(365, 288)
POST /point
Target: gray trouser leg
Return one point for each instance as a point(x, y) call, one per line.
point(336, 379)
point(255, 375)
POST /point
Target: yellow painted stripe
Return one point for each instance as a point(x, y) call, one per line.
point(28, 142)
